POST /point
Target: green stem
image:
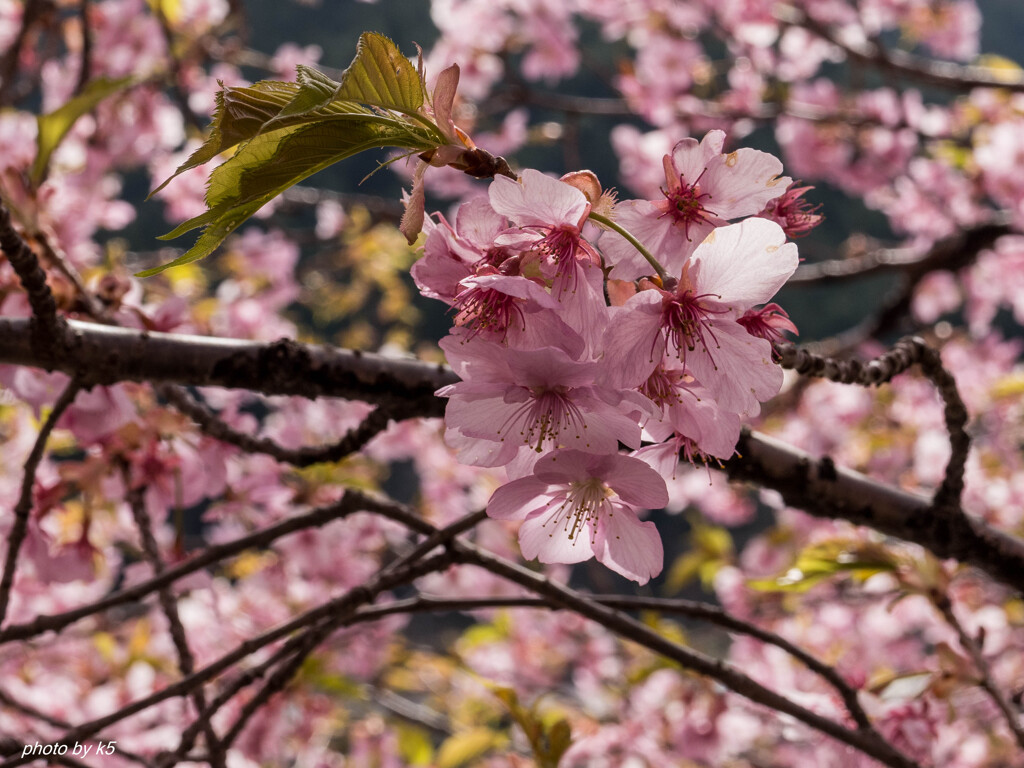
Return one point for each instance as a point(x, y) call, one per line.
point(605, 221)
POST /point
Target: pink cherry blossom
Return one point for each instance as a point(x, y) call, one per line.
point(734, 269)
point(550, 215)
point(704, 189)
point(536, 398)
point(580, 505)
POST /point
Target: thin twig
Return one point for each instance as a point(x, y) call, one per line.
point(85, 68)
point(900, 63)
point(339, 606)
point(349, 504)
point(973, 648)
point(8, 701)
point(169, 605)
point(374, 423)
point(689, 608)
point(868, 741)
point(23, 508)
point(334, 613)
point(905, 353)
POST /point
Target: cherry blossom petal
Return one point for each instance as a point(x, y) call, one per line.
point(543, 536)
point(742, 182)
point(538, 200)
point(744, 264)
point(518, 498)
point(629, 546)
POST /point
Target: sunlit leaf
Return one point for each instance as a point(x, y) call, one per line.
point(54, 126)
point(711, 547)
point(271, 162)
point(826, 560)
point(902, 687)
point(381, 76)
point(414, 744)
point(466, 747)
point(242, 112)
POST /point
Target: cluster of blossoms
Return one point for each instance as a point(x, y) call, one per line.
point(583, 324)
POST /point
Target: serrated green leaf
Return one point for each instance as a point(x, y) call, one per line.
point(271, 162)
point(54, 126)
point(463, 748)
point(244, 112)
point(380, 75)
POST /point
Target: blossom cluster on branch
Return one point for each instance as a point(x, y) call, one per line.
point(235, 529)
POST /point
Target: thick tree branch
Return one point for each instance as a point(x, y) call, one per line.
point(47, 327)
point(106, 355)
point(820, 488)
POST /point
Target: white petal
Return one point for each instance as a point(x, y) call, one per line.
point(744, 264)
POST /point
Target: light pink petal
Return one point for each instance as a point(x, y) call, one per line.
point(477, 452)
point(690, 158)
point(636, 483)
point(479, 223)
point(646, 222)
point(738, 370)
point(628, 546)
point(546, 329)
point(538, 200)
point(744, 264)
point(475, 358)
point(438, 272)
point(581, 299)
point(514, 285)
point(565, 466)
point(634, 343)
point(742, 182)
point(663, 458)
point(518, 498)
point(549, 366)
point(444, 96)
point(544, 536)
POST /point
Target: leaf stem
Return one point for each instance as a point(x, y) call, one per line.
point(605, 221)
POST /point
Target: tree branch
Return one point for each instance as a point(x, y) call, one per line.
point(943, 74)
point(23, 508)
point(870, 742)
point(106, 355)
point(48, 329)
point(353, 501)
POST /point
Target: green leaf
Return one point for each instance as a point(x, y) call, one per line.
point(242, 113)
point(54, 126)
point(381, 76)
point(466, 747)
point(559, 739)
point(711, 548)
point(271, 162)
point(827, 559)
point(414, 744)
